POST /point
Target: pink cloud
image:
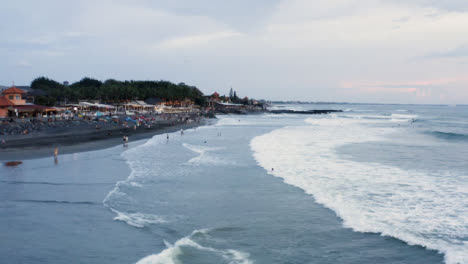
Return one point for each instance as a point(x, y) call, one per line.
point(390, 90)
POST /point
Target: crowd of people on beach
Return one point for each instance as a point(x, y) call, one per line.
point(64, 122)
point(16, 130)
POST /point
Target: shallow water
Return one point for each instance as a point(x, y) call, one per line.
point(210, 196)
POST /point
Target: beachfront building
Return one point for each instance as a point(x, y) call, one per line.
point(4, 104)
point(138, 107)
point(180, 103)
point(211, 100)
point(228, 106)
point(10, 97)
point(14, 95)
point(85, 108)
point(13, 104)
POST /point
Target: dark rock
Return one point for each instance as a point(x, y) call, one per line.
point(306, 112)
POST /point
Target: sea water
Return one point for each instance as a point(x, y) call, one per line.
point(372, 184)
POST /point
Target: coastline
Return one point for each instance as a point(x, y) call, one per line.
point(90, 175)
point(40, 146)
point(81, 139)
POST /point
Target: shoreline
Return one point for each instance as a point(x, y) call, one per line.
point(75, 141)
point(110, 232)
point(69, 140)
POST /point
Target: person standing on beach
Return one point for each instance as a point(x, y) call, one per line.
point(56, 155)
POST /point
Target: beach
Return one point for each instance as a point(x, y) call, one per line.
point(234, 132)
point(216, 194)
point(85, 137)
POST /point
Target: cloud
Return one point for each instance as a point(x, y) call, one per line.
point(459, 52)
point(239, 14)
point(445, 5)
point(194, 40)
point(282, 49)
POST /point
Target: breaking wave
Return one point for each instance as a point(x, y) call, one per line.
point(137, 161)
point(205, 157)
point(173, 252)
point(138, 219)
point(421, 209)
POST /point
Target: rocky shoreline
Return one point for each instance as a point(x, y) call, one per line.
point(305, 112)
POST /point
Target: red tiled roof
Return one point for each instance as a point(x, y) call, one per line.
point(13, 90)
point(5, 102)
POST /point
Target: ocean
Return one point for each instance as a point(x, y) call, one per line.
point(371, 184)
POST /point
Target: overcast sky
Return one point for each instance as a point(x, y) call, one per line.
point(384, 51)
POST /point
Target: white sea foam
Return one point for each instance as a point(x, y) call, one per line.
point(205, 157)
point(136, 184)
point(392, 117)
point(171, 254)
point(404, 116)
point(362, 116)
point(230, 121)
point(138, 219)
point(233, 121)
point(422, 209)
point(137, 161)
point(363, 110)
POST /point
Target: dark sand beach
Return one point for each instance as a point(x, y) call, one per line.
point(72, 141)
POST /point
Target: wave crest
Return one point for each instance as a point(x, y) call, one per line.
point(449, 136)
point(138, 219)
point(172, 254)
point(428, 210)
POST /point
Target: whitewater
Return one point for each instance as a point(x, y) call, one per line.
point(420, 207)
point(372, 184)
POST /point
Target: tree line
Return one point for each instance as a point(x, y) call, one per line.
point(114, 91)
